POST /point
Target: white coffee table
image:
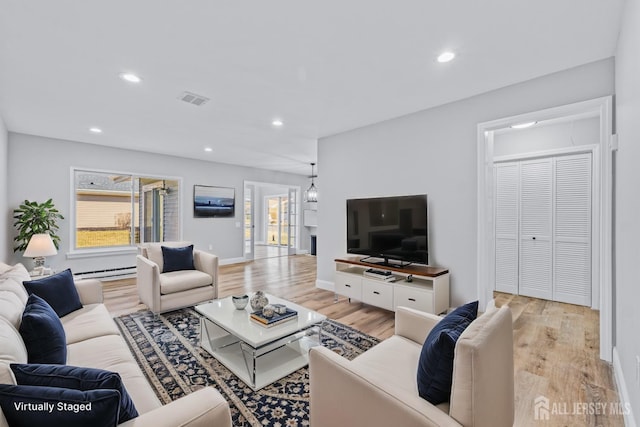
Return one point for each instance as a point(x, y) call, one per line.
point(256, 354)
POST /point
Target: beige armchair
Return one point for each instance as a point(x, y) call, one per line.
point(379, 387)
point(176, 289)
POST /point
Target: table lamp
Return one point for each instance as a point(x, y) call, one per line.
point(40, 246)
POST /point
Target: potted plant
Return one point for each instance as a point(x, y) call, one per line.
point(35, 218)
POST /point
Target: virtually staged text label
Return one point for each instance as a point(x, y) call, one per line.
point(50, 407)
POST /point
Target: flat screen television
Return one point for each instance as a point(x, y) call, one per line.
point(389, 228)
point(213, 202)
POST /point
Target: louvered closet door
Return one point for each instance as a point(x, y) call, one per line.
point(536, 202)
point(506, 222)
point(572, 231)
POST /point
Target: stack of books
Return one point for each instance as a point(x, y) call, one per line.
point(274, 320)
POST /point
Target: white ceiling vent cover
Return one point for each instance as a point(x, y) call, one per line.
point(192, 98)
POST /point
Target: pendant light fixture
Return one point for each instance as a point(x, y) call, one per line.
point(311, 195)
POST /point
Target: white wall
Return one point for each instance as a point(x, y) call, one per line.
point(6, 214)
point(543, 137)
point(627, 201)
point(39, 168)
point(434, 152)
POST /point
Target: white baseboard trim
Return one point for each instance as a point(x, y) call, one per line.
point(326, 285)
point(228, 261)
point(302, 251)
point(629, 420)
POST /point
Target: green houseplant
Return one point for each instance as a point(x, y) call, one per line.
point(35, 218)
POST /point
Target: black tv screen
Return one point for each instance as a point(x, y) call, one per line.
point(390, 228)
point(213, 202)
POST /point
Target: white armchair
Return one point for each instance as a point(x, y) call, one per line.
point(379, 387)
point(176, 289)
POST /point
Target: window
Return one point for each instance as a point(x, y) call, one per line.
point(119, 210)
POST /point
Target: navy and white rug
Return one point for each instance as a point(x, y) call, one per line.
point(167, 349)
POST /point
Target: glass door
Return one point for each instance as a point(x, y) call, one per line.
point(151, 214)
point(292, 221)
point(277, 220)
point(249, 221)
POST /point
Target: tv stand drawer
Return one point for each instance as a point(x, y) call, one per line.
point(348, 285)
point(377, 293)
point(413, 298)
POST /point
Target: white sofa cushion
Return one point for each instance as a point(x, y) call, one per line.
point(11, 308)
point(111, 353)
point(12, 350)
point(394, 364)
point(90, 321)
point(12, 284)
point(178, 281)
point(4, 267)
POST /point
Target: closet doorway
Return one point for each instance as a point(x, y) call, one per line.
point(600, 110)
point(543, 227)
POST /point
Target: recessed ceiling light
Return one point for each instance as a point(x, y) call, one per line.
point(130, 77)
point(95, 130)
point(277, 122)
point(523, 125)
point(208, 149)
point(446, 56)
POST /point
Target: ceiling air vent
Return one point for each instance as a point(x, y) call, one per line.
point(192, 98)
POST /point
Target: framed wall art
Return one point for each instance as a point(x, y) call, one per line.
point(213, 202)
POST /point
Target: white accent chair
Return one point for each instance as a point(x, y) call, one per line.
point(379, 387)
point(176, 289)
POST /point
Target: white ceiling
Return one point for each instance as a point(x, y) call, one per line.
point(322, 67)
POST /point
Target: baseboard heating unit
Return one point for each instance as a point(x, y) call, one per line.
point(107, 274)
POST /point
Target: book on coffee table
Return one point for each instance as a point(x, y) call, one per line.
point(276, 319)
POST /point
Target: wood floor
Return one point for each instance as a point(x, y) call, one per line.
point(555, 345)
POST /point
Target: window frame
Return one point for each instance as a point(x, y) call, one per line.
point(74, 251)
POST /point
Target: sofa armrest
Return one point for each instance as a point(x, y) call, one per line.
point(414, 324)
point(148, 282)
point(207, 263)
point(205, 407)
point(90, 291)
point(341, 394)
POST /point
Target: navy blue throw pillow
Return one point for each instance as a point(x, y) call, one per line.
point(469, 310)
point(76, 378)
point(42, 333)
point(435, 367)
point(58, 290)
point(176, 259)
point(29, 406)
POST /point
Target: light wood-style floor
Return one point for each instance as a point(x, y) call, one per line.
point(555, 345)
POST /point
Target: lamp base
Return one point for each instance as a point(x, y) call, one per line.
point(39, 269)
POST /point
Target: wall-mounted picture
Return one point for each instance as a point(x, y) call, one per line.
point(213, 202)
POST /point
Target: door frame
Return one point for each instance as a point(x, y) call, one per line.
point(603, 179)
point(298, 206)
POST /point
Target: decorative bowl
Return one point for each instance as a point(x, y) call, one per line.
point(240, 301)
point(268, 311)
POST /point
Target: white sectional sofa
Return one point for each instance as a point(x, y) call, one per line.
point(93, 340)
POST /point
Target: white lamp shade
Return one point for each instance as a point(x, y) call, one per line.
point(40, 245)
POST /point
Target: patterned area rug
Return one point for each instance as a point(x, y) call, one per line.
point(166, 348)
